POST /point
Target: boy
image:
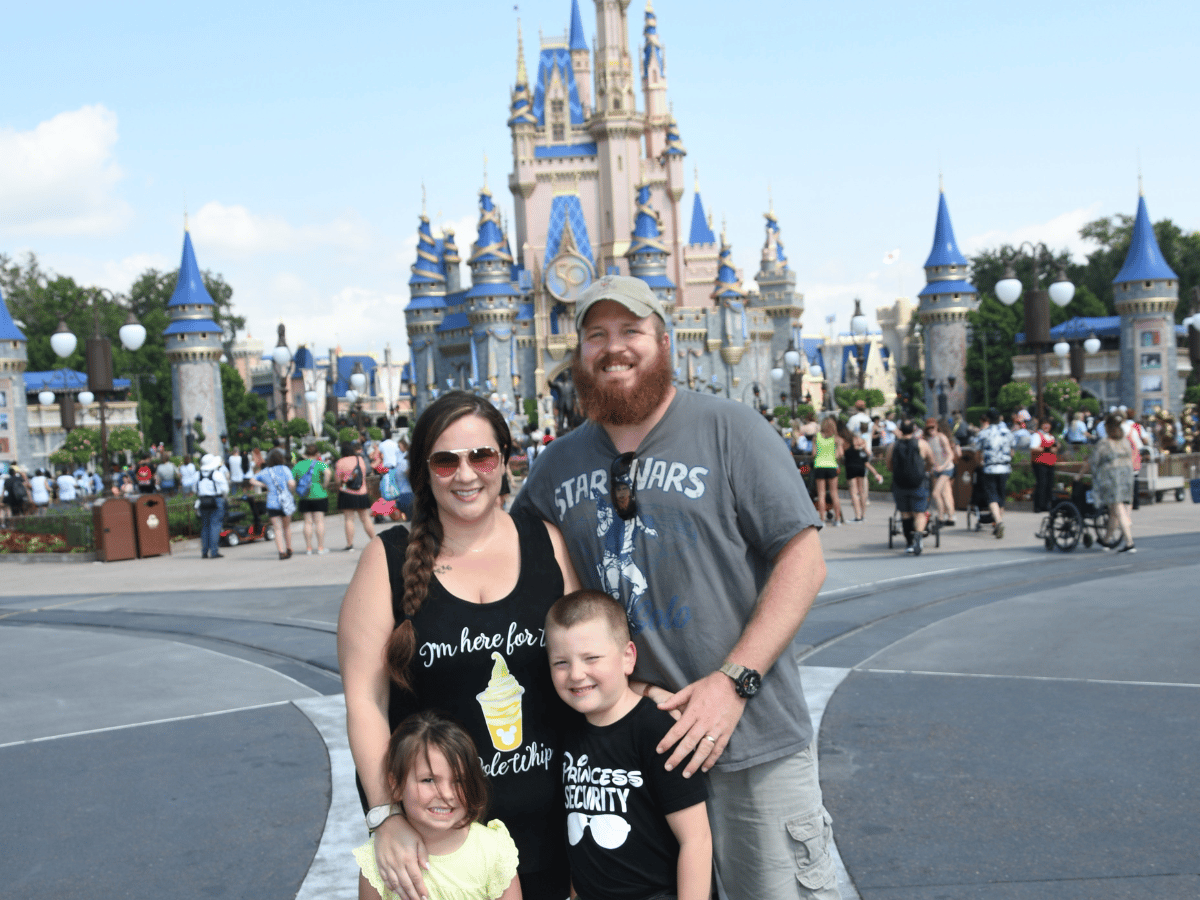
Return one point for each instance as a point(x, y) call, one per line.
point(635, 831)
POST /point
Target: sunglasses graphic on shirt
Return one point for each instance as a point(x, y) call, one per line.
point(608, 831)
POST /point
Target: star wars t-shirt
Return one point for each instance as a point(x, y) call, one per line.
point(618, 797)
point(718, 498)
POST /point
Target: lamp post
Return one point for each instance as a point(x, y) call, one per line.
point(1037, 308)
point(99, 364)
point(793, 360)
point(358, 381)
point(281, 359)
point(63, 343)
point(858, 328)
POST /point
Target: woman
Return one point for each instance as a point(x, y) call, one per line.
point(858, 461)
point(829, 449)
point(314, 504)
point(1043, 454)
point(39, 491)
point(945, 452)
point(455, 609)
point(353, 500)
point(188, 475)
point(276, 479)
point(236, 474)
point(1111, 463)
point(212, 487)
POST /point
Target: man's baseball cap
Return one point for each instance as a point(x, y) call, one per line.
point(632, 293)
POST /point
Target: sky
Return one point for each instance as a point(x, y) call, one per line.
point(297, 138)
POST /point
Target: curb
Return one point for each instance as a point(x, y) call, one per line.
point(29, 559)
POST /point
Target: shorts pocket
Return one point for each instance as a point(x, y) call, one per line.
point(811, 835)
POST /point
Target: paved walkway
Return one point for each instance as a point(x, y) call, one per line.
point(271, 624)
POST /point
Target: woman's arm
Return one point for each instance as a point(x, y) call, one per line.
point(694, 867)
point(364, 625)
point(570, 579)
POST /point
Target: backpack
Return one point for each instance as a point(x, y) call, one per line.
point(145, 475)
point(356, 480)
point(908, 469)
point(14, 488)
point(304, 485)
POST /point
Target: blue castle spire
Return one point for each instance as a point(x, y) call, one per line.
point(491, 242)
point(576, 41)
point(521, 110)
point(701, 232)
point(674, 142)
point(428, 267)
point(653, 46)
point(8, 328)
point(945, 250)
point(646, 233)
point(189, 289)
point(727, 286)
point(1144, 261)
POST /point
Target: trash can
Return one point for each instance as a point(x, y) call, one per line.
point(150, 525)
point(964, 477)
point(112, 522)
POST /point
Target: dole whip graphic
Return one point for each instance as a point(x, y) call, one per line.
point(501, 704)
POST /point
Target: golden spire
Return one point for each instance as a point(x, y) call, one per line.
point(696, 181)
point(522, 75)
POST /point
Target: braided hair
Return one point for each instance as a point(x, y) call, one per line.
point(425, 533)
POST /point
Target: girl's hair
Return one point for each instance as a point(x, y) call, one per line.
point(1112, 427)
point(276, 458)
point(420, 731)
point(829, 427)
point(425, 533)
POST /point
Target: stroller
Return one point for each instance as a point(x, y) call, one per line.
point(235, 531)
point(978, 513)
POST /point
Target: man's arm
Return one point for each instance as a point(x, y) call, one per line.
point(711, 707)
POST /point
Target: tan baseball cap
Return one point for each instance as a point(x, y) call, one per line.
point(632, 293)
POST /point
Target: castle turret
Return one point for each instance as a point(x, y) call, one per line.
point(699, 257)
point(946, 300)
point(193, 345)
point(654, 86)
point(491, 303)
point(647, 254)
point(523, 125)
point(14, 413)
point(581, 57)
point(778, 299)
point(425, 312)
point(1146, 292)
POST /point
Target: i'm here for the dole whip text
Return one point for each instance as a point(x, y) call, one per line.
point(500, 700)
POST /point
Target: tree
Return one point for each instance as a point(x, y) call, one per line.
point(1013, 396)
point(244, 412)
point(1062, 396)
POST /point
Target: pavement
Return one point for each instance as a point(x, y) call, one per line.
point(995, 720)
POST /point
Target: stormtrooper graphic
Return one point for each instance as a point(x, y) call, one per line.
point(617, 562)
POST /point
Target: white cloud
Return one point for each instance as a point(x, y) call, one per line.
point(61, 177)
point(1061, 232)
point(238, 230)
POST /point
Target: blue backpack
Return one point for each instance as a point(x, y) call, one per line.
point(304, 485)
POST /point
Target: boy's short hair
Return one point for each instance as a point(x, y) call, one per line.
point(586, 605)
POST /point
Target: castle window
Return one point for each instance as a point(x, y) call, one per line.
point(620, 163)
point(1149, 284)
point(556, 108)
point(558, 132)
point(616, 102)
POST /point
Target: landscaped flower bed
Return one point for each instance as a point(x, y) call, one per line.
point(24, 542)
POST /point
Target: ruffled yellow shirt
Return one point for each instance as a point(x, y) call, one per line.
point(481, 869)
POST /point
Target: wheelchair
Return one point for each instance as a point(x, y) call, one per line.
point(1073, 518)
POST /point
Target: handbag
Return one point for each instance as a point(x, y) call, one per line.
point(287, 503)
point(388, 488)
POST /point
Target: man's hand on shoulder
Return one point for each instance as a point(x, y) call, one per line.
point(711, 709)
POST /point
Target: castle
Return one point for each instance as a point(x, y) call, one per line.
point(596, 185)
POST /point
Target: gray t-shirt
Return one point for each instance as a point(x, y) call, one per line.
point(718, 498)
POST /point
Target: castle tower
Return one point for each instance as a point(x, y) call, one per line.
point(617, 130)
point(14, 414)
point(945, 301)
point(699, 257)
point(654, 87)
point(450, 261)
point(523, 125)
point(778, 299)
point(193, 345)
point(581, 57)
point(424, 314)
point(647, 254)
point(491, 303)
point(1146, 292)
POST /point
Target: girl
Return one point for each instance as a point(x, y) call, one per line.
point(276, 479)
point(829, 449)
point(438, 786)
point(858, 463)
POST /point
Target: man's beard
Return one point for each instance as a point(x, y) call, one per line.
point(613, 405)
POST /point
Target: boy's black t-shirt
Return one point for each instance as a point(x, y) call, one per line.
point(618, 796)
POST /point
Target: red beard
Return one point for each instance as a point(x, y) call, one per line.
point(613, 405)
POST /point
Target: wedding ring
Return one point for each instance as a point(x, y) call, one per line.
point(709, 737)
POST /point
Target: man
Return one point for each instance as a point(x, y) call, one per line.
point(859, 418)
point(995, 443)
point(688, 509)
point(389, 449)
point(889, 429)
point(1020, 433)
point(909, 459)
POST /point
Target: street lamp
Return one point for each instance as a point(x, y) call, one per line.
point(281, 359)
point(1037, 308)
point(858, 328)
point(792, 359)
point(358, 381)
point(99, 365)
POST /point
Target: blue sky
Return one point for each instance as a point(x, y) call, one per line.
point(297, 136)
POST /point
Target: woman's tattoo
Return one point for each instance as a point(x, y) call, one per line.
point(442, 569)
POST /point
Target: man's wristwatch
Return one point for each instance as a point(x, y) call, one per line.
point(377, 815)
point(745, 681)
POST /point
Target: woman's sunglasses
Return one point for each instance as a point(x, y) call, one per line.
point(483, 460)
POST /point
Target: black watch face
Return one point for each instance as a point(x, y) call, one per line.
point(750, 683)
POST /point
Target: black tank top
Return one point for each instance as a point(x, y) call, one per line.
point(472, 655)
point(908, 469)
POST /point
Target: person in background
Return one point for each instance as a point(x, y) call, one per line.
point(276, 479)
point(944, 452)
point(65, 483)
point(39, 491)
point(189, 475)
point(1020, 434)
point(1043, 454)
point(212, 487)
point(315, 504)
point(351, 473)
point(995, 443)
point(166, 476)
point(829, 449)
point(1111, 464)
point(237, 475)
